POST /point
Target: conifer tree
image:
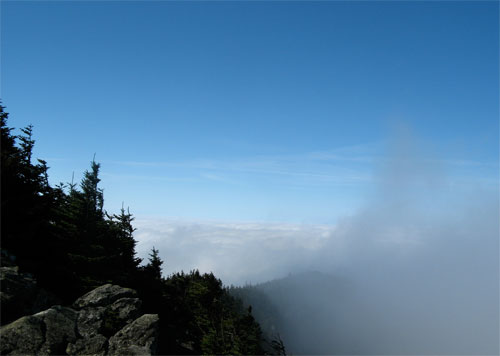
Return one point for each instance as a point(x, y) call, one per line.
point(155, 263)
point(27, 143)
point(91, 245)
point(27, 199)
point(93, 196)
point(123, 240)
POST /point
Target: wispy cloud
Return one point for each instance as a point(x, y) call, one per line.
point(145, 177)
point(325, 167)
point(350, 164)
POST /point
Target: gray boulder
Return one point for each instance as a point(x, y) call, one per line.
point(24, 336)
point(108, 321)
point(16, 285)
point(90, 321)
point(20, 294)
point(7, 259)
point(45, 333)
point(104, 295)
point(126, 309)
point(94, 345)
point(60, 327)
point(137, 338)
point(17, 294)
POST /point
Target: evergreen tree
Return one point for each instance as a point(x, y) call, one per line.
point(122, 245)
point(92, 194)
point(27, 143)
point(278, 346)
point(100, 247)
point(205, 318)
point(27, 199)
point(154, 265)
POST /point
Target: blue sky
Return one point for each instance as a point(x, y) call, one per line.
point(265, 111)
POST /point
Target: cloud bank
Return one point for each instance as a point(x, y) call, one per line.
point(237, 253)
point(422, 255)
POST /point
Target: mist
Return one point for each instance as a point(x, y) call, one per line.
point(414, 271)
point(421, 265)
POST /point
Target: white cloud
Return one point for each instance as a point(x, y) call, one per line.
point(235, 252)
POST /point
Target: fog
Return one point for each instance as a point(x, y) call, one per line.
point(414, 271)
point(421, 263)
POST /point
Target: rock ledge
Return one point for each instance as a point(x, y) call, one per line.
point(105, 321)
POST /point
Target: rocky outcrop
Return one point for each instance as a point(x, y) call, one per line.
point(105, 321)
point(106, 309)
point(20, 294)
point(104, 295)
point(93, 345)
point(24, 336)
point(137, 338)
point(44, 333)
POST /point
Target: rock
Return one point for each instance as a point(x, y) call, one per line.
point(20, 295)
point(137, 338)
point(18, 292)
point(108, 321)
point(24, 336)
point(127, 309)
point(90, 321)
point(44, 300)
point(94, 345)
point(104, 295)
point(7, 259)
point(14, 282)
point(60, 327)
point(45, 333)
point(188, 346)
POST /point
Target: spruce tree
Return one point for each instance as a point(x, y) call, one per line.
point(155, 263)
point(27, 199)
point(91, 198)
point(122, 244)
point(27, 143)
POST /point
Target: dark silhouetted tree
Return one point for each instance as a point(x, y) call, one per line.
point(155, 263)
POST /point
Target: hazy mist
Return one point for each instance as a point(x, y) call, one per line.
point(414, 271)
